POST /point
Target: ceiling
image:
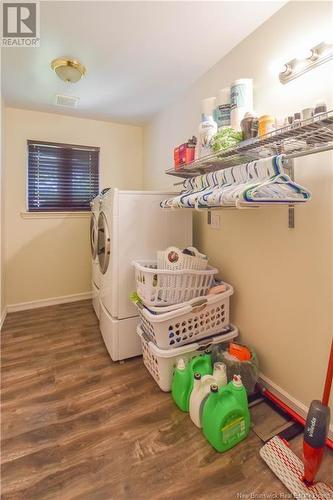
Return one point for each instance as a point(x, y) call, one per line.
point(139, 55)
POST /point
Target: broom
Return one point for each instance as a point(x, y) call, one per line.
point(298, 476)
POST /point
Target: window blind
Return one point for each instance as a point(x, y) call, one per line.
point(61, 177)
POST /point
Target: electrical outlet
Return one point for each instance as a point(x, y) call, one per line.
point(215, 221)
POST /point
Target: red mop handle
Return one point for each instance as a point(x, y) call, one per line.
point(328, 381)
point(316, 428)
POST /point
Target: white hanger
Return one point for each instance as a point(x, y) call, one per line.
point(257, 181)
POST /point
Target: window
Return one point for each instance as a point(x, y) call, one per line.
point(61, 177)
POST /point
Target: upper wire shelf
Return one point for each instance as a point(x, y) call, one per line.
point(306, 137)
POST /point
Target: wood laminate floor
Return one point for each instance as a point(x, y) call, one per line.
point(77, 425)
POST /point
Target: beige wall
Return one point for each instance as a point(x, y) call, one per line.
point(47, 258)
point(282, 277)
point(2, 212)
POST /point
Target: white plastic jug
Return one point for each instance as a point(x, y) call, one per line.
point(201, 389)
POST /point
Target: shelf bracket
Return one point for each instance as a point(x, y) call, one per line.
point(291, 217)
point(289, 167)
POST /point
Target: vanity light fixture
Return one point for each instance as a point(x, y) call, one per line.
point(68, 70)
point(296, 67)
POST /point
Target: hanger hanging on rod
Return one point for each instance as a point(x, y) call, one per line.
point(260, 181)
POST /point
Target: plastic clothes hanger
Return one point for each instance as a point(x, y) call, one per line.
point(224, 178)
point(204, 184)
point(231, 180)
point(200, 184)
point(257, 181)
point(188, 189)
point(168, 203)
point(279, 188)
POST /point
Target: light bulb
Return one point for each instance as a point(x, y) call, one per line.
point(286, 70)
point(314, 54)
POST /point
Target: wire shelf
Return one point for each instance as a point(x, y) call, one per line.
point(307, 137)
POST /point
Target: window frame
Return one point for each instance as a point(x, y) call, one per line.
point(52, 214)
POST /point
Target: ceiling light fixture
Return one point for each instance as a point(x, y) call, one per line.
point(296, 67)
point(68, 70)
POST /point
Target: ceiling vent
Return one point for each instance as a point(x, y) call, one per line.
point(67, 100)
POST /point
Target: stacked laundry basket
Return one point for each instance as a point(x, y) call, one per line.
point(183, 310)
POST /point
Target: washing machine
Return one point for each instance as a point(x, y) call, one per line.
point(95, 271)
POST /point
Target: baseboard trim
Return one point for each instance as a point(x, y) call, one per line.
point(35, 304)
point(3, 317)
point(300, 408)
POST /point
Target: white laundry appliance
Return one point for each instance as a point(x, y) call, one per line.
point(95, 271)
point(131, 226)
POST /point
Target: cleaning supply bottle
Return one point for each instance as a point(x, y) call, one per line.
point(241, 98)
point(201, 389)
point(199, 392)
point(180, 384)
point(220, 374)
point(207, 127)
point(182, 380)
point(223, 109)
point(225, 416)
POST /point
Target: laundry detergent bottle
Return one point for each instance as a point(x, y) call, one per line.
point(201, 390)
point(220, 374)
point(182, 381)
point(225, 416)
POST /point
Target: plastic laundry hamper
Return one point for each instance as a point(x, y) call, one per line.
point(162, 287)
point(196, 319)
point(161, 362)
point(174, 259)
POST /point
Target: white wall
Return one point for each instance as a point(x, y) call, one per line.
point(282, 277)
point(46, 258)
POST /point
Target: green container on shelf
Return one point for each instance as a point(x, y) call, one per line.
point(226, 416)
point(182, 381)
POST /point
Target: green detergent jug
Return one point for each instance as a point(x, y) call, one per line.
point(182, 380)
point(226, 416)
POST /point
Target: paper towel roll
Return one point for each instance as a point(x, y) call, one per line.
point(241, 96)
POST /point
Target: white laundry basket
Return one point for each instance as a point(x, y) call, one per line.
point(161, 362)
point(196, 319)
point(162, 287)
point(174, 259)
